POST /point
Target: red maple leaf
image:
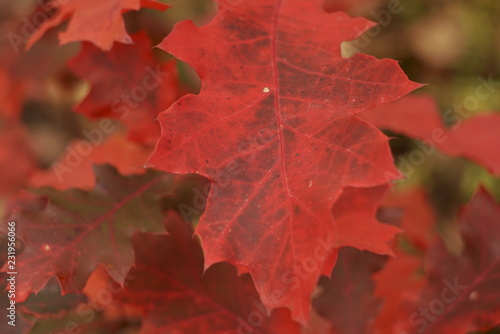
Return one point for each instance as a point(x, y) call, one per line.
point(127, 84)
point(274, 129)
point(96, 21)
point(169, 285)
point(67, 234)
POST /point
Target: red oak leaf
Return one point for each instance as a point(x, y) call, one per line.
point(418, 117)
point(169, 287)
point(274, 129)
point(75, 170)
point(462, 293)
point(347, 300)
point(96, 21)
point(67, 234)
point(126, 85)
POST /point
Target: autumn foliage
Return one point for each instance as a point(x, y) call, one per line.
point(239, 177)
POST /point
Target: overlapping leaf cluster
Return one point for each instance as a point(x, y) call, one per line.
point(299, 224)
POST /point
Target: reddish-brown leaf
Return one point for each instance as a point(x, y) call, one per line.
point(274, 129)
point(96, 21)
point(67, 234)
point(169, 287)
point(462, 294)
point(347, 299)
point(127, 84)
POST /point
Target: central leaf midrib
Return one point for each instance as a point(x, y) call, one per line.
point(277, 107)
point(277, 110)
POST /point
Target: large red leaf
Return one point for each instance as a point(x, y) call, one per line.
point(274, 129)
point(177, 297)
point(67, 234)
point(96, 21)
point(462, 294)
point(127, 84)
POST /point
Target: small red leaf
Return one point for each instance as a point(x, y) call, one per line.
point(75, 170)
point(96, 21)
